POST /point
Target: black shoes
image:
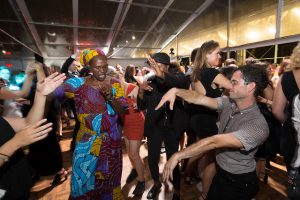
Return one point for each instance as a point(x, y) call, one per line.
point(139, 188)
point(133, 174)
point(153, 191)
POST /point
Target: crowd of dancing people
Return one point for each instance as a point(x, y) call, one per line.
point(234, 117)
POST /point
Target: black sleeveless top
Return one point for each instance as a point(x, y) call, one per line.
point(203, 120)
point(15, 175)
point(289, 85)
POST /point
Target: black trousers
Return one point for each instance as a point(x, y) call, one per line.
point(228, 186)
point(154, 140)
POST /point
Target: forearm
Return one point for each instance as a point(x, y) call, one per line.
point(196, 98)
point(36, 113)
point(26, 86)
point(197, 149)
point(7, 150)
point(280, 115)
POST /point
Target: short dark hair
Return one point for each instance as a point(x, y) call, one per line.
point(257, 74)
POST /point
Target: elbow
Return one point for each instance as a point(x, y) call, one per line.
point(279, 115)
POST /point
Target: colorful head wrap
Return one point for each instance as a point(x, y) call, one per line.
point(86, 55)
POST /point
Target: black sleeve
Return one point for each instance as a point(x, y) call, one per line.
point(178, 80)
point(208, 75)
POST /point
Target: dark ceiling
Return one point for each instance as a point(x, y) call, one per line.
point(123, 28)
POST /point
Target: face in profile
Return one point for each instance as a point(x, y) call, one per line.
point(99, 67)
point(213, 57)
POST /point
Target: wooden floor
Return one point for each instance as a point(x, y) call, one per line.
point(274, 190)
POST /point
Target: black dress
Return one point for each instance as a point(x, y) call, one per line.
point(15, 175)
point(202, 119)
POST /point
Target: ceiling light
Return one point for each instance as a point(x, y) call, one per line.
point(3, 51)
point(53, 34)
point(133, 37)
point(126, 41)
point(271, 30)
point(253, 35)
point(296, 11)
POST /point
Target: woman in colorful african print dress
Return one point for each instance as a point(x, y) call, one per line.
point(97, 158)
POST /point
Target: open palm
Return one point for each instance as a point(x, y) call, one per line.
point(50, 83)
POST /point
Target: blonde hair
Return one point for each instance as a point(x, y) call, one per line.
point(200, 59)
point(295, 58)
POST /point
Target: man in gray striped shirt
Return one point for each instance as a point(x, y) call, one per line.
point(242, 129)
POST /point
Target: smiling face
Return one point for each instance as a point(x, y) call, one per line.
point(213, 57)
point(99, 67)
point(240, 89)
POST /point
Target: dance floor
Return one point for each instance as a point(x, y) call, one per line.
point(274, 189)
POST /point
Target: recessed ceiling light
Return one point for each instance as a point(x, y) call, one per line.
point(126, 41)
point(3, 51)
point(53, 34)
point(133, 37)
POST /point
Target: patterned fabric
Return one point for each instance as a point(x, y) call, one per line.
point(97, 158)
point(86, 55)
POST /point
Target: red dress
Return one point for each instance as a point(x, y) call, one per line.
point(134, 119)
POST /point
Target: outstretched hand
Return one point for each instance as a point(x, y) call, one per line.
point(32, 68)
point(33, 133)
point(50, 83)
point(170, 96)
point(158, 72)
point(168, 170)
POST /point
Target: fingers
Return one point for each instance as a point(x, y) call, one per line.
point(41, 135)
point(160, 104)
point(44, 127)
point(43, 132)
point(172, 101)
point(39, 123)
point(55, 77)
point(170, 185)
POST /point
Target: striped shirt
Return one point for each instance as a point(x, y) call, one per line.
point(249, 127)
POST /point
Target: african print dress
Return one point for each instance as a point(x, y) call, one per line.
point(97, 158)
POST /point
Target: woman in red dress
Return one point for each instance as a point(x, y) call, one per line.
point(134, 131)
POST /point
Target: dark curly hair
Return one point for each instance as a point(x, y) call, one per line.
point(257, 74)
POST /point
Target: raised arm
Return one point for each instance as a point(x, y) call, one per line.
point(189, 96)
point(44, 87)
point(221, 80)
point(30, 71)
point(279, 103)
